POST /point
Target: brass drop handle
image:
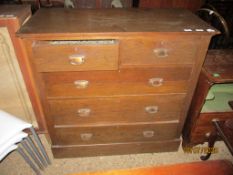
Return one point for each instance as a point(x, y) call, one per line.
point(161, 52)
point(81, 84)
point(155, 82)
point(84, 112)
point(148, 134)
point(77, 59)
point(151, 109)
point(86, 136)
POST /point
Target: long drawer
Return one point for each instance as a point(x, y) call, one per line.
point(161, 50)
point(123, 82)
point(78, 135)
point(127, 109)
point(61, 151)
point(50, 56)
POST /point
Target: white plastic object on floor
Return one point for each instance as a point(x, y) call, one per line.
point(11, 132)
point(12, 141)
point(7, 151)
point(117, 4)
point(10, 126)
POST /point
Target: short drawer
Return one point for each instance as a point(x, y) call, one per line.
point(72, 135)
point(205, 119)
point(50, 56)
point(111, 83)
point(157, 51)
point(129, 109)
point(204, 123)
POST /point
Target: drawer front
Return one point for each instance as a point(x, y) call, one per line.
point(204, 124)
point(116, 110)
point(70, 56)
point(114, 149)
point(205, 119)
point(123, 82)
point(114, 134)
point(155, 51)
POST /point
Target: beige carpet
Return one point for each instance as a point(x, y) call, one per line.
point(15, 165)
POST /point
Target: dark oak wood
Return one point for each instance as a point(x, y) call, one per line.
point(212, 139)
point(150, 108)
point(155, 59)
point(199, 124)
point(159, 50)
point(116, 83)
point(50, 57)
point(110, 21)
point(221, 62)
point(174, 73)
point(63, 91)
point(114, 149)
point(71, 135)
point(21, 12)
point(223, 129)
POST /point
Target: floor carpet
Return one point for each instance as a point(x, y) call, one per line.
point(15, 165)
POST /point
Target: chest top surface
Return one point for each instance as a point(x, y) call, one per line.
point(113, 21)
point(15, 11)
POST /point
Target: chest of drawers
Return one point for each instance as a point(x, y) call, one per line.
point(114, 81)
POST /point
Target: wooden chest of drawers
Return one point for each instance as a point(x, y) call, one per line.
point(114, 81)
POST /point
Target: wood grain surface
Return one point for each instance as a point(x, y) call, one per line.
point(51, 57)
point(114, 149)
point(63, 22)
point(159, 50)
point(122, 109)
point(116, 83)
point(157, 57)
point(72, 134)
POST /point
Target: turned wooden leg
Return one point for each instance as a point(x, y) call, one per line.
point(212, 139)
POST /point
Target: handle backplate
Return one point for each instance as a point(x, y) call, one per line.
point(81, 84)
point(84, 112)
point(148, 134)
point(161, 52)
point(155, 82)
point(86, 136)
point(77, 59)
point(151, 109)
